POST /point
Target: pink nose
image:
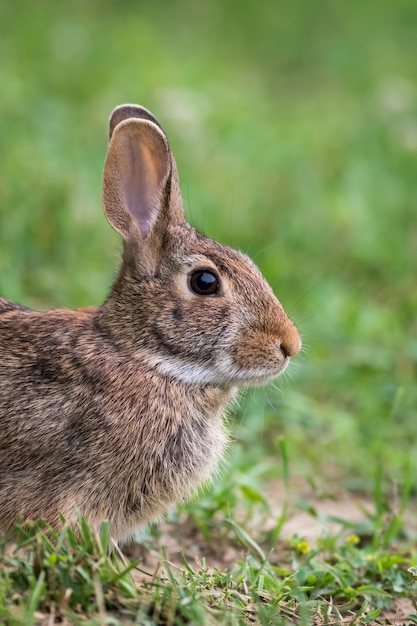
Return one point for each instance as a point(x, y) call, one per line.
point(291, 341)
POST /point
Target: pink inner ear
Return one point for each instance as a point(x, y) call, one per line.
point(138, 167)
point(145, 171)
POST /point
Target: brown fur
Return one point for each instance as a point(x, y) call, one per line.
point(115, 412)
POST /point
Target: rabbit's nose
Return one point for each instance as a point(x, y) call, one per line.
point(291, 342)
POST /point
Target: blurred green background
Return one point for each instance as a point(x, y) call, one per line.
point(294, 125)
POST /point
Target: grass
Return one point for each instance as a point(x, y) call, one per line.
point(294, 127)
point(87, 580)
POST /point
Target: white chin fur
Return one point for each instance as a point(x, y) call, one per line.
point(223, 374)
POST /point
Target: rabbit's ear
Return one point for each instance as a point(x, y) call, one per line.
point(127, 111)
point(139, 176)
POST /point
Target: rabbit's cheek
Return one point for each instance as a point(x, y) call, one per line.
point(191, 333)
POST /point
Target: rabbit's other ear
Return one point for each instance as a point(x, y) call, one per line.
point(139, 176)
point(127, 111)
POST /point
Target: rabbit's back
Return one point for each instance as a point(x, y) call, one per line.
point(6, 306)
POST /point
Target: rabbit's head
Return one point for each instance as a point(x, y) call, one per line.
point(190, 307)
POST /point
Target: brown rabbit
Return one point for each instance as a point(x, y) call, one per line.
point(115, 412)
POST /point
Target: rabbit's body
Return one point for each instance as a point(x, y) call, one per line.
point(116, 412)
point(100, 447)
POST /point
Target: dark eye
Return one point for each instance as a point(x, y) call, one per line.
point(204, 283)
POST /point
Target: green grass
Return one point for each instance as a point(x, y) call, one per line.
point(87, 580)
point(294, 127)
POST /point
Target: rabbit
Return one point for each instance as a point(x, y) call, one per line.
point(116, 412)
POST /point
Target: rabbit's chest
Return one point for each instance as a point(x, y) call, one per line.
point(161, 444)
point(182, 453)
point(172, 457)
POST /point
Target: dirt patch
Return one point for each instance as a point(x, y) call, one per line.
point(398, 615)
point(311, 515)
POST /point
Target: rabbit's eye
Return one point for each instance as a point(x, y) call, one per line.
point(204, 283)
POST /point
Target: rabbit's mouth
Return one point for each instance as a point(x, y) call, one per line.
point(258, 376)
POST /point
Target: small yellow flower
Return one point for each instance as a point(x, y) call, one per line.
point(371, 558)
point(303, 547)
point(353, 539)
